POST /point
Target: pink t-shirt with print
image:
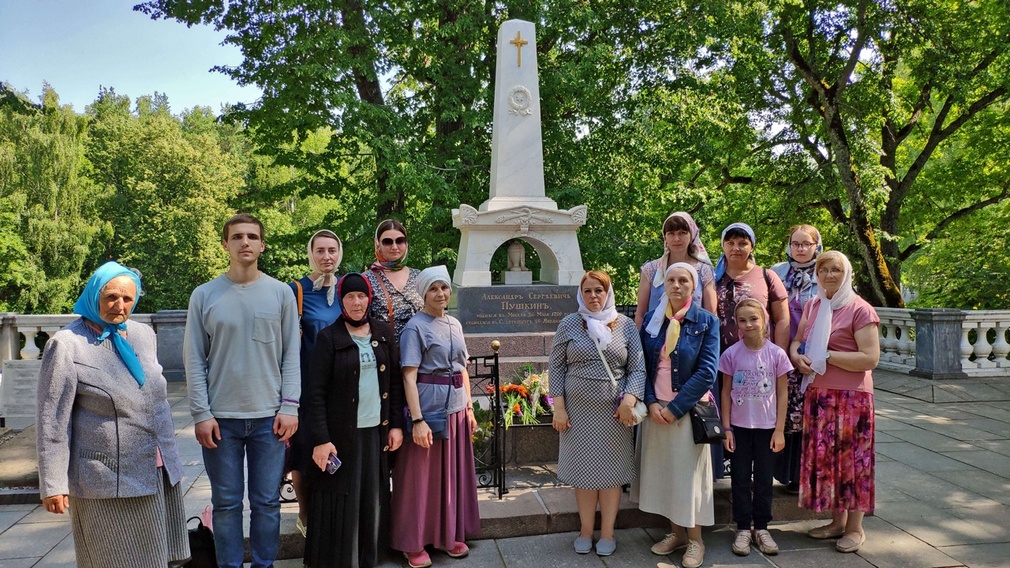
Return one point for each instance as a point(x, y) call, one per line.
point(845, 321)
point(753, 374)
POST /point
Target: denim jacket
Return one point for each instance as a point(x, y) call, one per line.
point(697, 353)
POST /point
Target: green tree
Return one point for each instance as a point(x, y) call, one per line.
point(52, 222)
point(172, 185)
point(404, 89)
point(874, 110)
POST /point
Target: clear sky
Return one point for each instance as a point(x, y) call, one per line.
point(78, 45)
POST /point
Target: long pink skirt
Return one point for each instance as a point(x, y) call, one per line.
point(838, 463)
point(435, 491)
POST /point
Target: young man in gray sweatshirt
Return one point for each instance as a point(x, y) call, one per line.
point(242, 369)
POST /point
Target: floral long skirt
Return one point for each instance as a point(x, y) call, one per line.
point(837, 469)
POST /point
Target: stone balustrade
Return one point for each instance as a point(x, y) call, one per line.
point(936, 343)
point(22, 338)
point(983, 345)
point(897, 339)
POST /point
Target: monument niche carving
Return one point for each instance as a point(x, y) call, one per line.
point(517, 208)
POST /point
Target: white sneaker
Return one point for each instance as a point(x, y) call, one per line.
point(765, 543)
point(695, 554)
point(668, 545)
point(741, 544)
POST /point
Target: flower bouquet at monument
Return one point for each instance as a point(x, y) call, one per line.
point(525, 401)
point(483, 435)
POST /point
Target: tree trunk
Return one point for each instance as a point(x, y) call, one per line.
point(369, 90)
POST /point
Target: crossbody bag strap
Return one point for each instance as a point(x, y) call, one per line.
point(389, 299)
point(606, 365)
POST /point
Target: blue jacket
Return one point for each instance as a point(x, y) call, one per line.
point(695, 360)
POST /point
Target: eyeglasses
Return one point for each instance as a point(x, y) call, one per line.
point(388, 242)
point(831, 271)
point(797, 245)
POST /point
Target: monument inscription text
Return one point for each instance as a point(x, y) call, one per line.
point(514, 308)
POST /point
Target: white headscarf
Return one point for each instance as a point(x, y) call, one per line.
point(820, 324)
point(429, 276)
point(597, 322)
point(317, 284)
point(656, 323)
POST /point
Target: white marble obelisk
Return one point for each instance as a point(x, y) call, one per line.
point(517, 150)
point(518, 207)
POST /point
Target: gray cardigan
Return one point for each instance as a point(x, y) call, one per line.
point(97, 428)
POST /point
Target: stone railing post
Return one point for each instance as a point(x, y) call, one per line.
point(10, 341)
point(170, 325)
point(938, 343)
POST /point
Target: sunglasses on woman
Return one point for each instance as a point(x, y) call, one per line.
point(388, 242)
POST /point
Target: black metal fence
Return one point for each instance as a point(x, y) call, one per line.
point(489, 437)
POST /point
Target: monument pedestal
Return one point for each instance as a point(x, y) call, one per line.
point(518, 278)
point(18, 392)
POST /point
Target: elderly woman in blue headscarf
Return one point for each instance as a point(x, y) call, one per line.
point(105, 436)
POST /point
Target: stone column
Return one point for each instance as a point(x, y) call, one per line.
point(170, 325)
point(938, 343)
point(10, 341)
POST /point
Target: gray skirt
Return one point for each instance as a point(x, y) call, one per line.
point(597, 452)
point(131, 532)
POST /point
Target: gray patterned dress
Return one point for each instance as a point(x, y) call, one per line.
point(597, 452)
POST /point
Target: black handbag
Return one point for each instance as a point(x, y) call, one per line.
point(706, 424)
point(201, 546)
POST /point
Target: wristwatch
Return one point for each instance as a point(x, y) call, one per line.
point(417, 420)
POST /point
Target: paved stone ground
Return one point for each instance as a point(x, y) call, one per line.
point(943, 484)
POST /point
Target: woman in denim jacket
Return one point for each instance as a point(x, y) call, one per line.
point(681, 344)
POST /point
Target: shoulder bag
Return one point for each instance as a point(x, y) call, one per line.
point(706, 425)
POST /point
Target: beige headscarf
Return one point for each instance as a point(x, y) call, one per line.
point(317, 284)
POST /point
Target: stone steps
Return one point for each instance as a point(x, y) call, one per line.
point(535, 505)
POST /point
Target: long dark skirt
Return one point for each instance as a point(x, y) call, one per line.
point(344, 528)
point(787, 462)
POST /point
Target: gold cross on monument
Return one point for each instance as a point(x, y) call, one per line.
point(519, 42)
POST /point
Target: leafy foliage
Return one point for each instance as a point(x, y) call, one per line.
point(50, 213)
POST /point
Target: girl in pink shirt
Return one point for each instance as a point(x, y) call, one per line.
point(754, 397)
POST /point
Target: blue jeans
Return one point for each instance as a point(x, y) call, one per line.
point(254, 440)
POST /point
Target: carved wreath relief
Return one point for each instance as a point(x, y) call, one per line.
point(520, 100)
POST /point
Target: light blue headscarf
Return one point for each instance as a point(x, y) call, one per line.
point(87, 306)
point(720, 267)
